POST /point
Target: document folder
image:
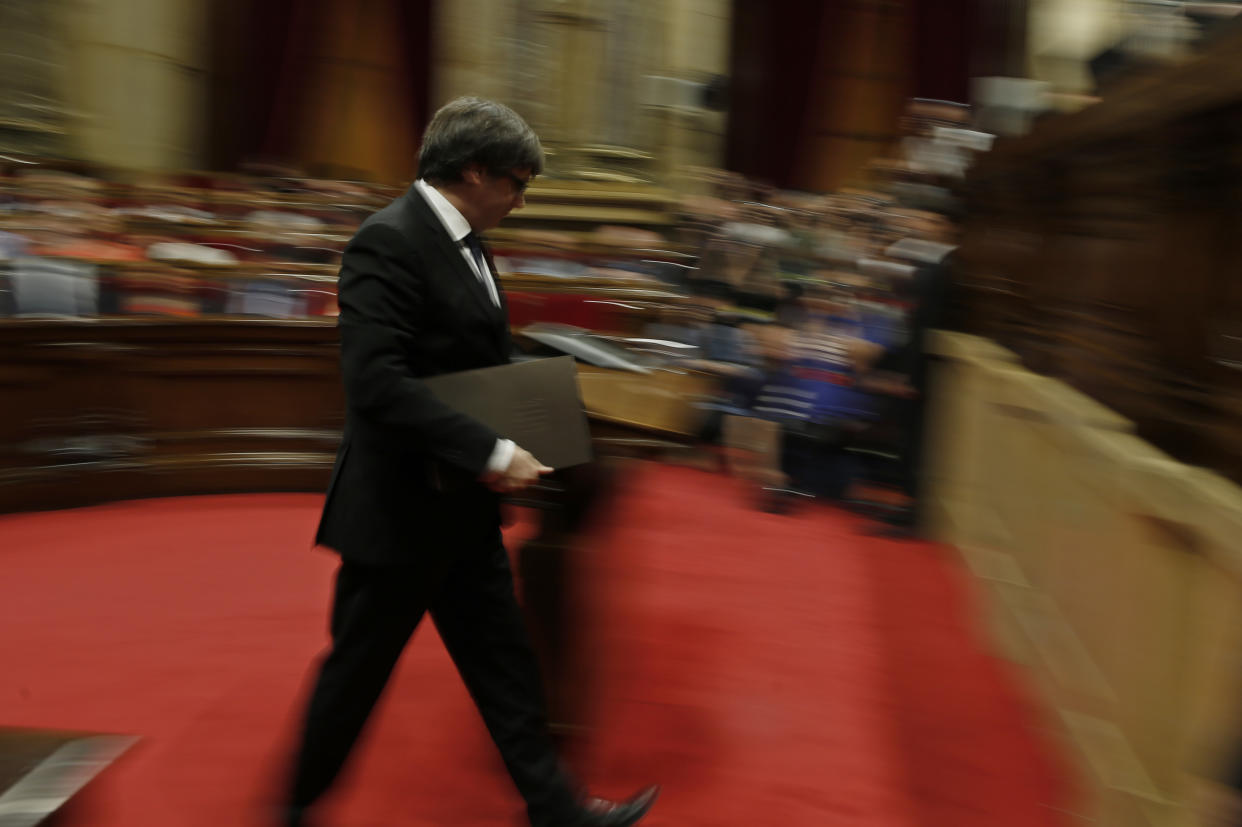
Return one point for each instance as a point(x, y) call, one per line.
point(535, 403)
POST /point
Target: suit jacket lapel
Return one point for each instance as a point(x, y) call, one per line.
point(503, 309)
point(460, 270)
point(450, 252)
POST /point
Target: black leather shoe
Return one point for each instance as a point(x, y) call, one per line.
point(598, 812)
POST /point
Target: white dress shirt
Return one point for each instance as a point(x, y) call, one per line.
point(458, 228)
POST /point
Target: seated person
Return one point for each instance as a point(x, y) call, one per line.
point(818, 398)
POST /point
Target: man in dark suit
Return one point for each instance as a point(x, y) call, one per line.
point(413, 505)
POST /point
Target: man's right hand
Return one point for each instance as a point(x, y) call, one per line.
point(523, 470)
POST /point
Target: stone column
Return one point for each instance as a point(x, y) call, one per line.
point(135, 71)
point(475, 48)
point(697, 54)
point(33, 120)
point(1063, 35)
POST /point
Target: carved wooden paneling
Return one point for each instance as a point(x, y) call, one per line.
point(1103, 249)
point(109, 409)
point(856, 101)
point(117, 408)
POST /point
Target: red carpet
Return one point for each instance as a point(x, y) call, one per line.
point(768, 670)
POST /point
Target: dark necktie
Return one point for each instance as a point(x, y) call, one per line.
point(476, 250)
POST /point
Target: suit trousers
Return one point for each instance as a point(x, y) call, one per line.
point(471, 599)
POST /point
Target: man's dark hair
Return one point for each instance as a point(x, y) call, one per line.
point(477, 131)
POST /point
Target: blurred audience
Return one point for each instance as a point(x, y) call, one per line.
point(808, 311)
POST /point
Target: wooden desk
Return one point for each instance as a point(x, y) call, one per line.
point(117, 408)
point(102, 409)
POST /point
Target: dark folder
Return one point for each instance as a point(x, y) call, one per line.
point(534, 403)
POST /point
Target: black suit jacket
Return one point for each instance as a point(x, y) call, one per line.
point(406, 473)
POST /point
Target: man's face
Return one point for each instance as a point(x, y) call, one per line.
point(496, 195)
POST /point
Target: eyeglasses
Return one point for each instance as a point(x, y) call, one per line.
point(519, 183)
